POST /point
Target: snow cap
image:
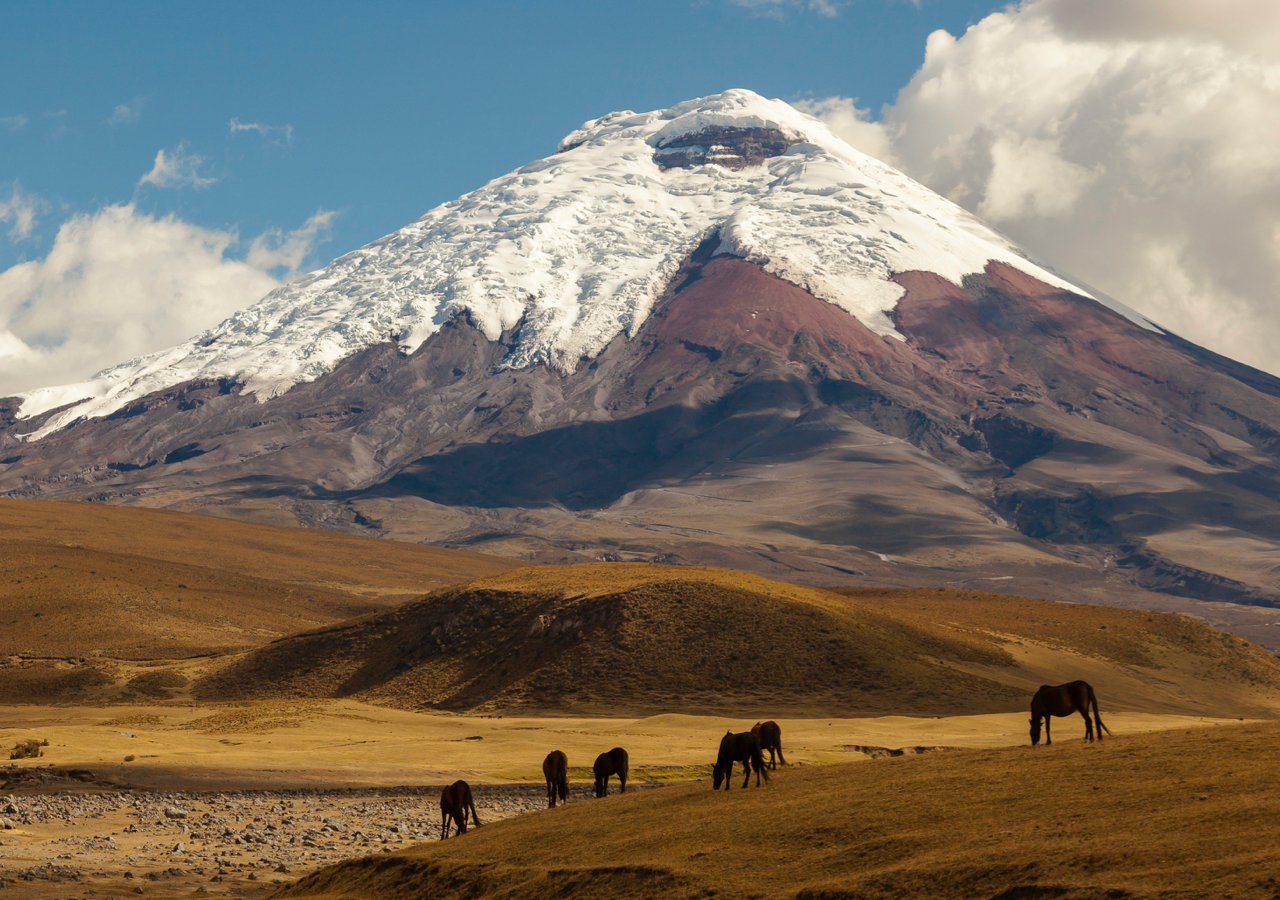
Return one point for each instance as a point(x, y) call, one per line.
point(576, 248)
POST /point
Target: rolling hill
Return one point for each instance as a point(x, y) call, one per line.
point(634, 639)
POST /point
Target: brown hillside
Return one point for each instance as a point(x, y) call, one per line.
point(1177, 814)
point(633, 639)
point(83, 580)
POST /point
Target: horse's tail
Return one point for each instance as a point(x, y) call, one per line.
point(471, 804)
point(1097, 719)
point(757, 761)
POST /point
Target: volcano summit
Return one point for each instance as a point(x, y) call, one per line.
point(714, 333)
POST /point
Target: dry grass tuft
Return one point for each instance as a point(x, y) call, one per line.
point(142, 720)
point(157, 682)
point(256, 719)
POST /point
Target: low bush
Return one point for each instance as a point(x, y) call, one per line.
point(28, 749)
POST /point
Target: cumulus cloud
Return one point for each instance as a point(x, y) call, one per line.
point(177, 168)
point(1240, 23)
point(126, 113)
point(273, 250)
point(1132, 145)
point(842, 115)
point(20, 209)
point(116, 284)
point(276, 134)
point(14, 123)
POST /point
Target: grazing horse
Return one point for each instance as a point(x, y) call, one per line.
point(1063, 700)
point(770, 739)
point(743, 747)
point(555, 768)
point(455, 800)
point(615, 762)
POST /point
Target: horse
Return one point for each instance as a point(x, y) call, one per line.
point(743, 747)
point(555, 768)
point(455, 800)
point(770, 736)
point(615, 762)
point(1063, 700)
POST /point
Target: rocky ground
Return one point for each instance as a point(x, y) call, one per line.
point(236, 844)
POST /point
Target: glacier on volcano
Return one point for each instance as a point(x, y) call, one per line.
point(573, 250)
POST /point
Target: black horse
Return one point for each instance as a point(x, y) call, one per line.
point(743, 747)
point(615, 762)
point(1063, 700)
point(770, 735)
point(555, 768)
point(455, 803)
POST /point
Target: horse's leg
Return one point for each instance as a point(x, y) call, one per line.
point(444, 825)
point(1048, 739)
point(1088, 726)
point(746, 770)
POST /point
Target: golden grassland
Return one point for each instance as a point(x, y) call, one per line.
point(81, 580)
point(636, 639)
point(1188, 814)
point(344, 743)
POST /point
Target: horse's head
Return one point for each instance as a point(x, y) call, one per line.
point(600, 786)
point(718, 776)
point(1035, 731)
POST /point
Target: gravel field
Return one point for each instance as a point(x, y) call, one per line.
point(236, 844)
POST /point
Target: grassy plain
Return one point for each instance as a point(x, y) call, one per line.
point(1188, 813)
point(274, 745)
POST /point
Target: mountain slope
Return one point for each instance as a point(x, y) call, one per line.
point(88, 581)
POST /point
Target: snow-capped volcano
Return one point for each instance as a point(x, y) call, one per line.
point(573, 250)
point(712, 334)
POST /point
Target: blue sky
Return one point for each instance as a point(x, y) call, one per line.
point(381, 111)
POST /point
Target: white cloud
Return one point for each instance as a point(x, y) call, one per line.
point(1132, 145)
point(274, 250)
point(177, 168)
point(116, 284)
point(126, 113)
point(14, 123)
point(1252, 24)
point(842, 116)
point(20, 209)
point(776, 8)
point(277, 134)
